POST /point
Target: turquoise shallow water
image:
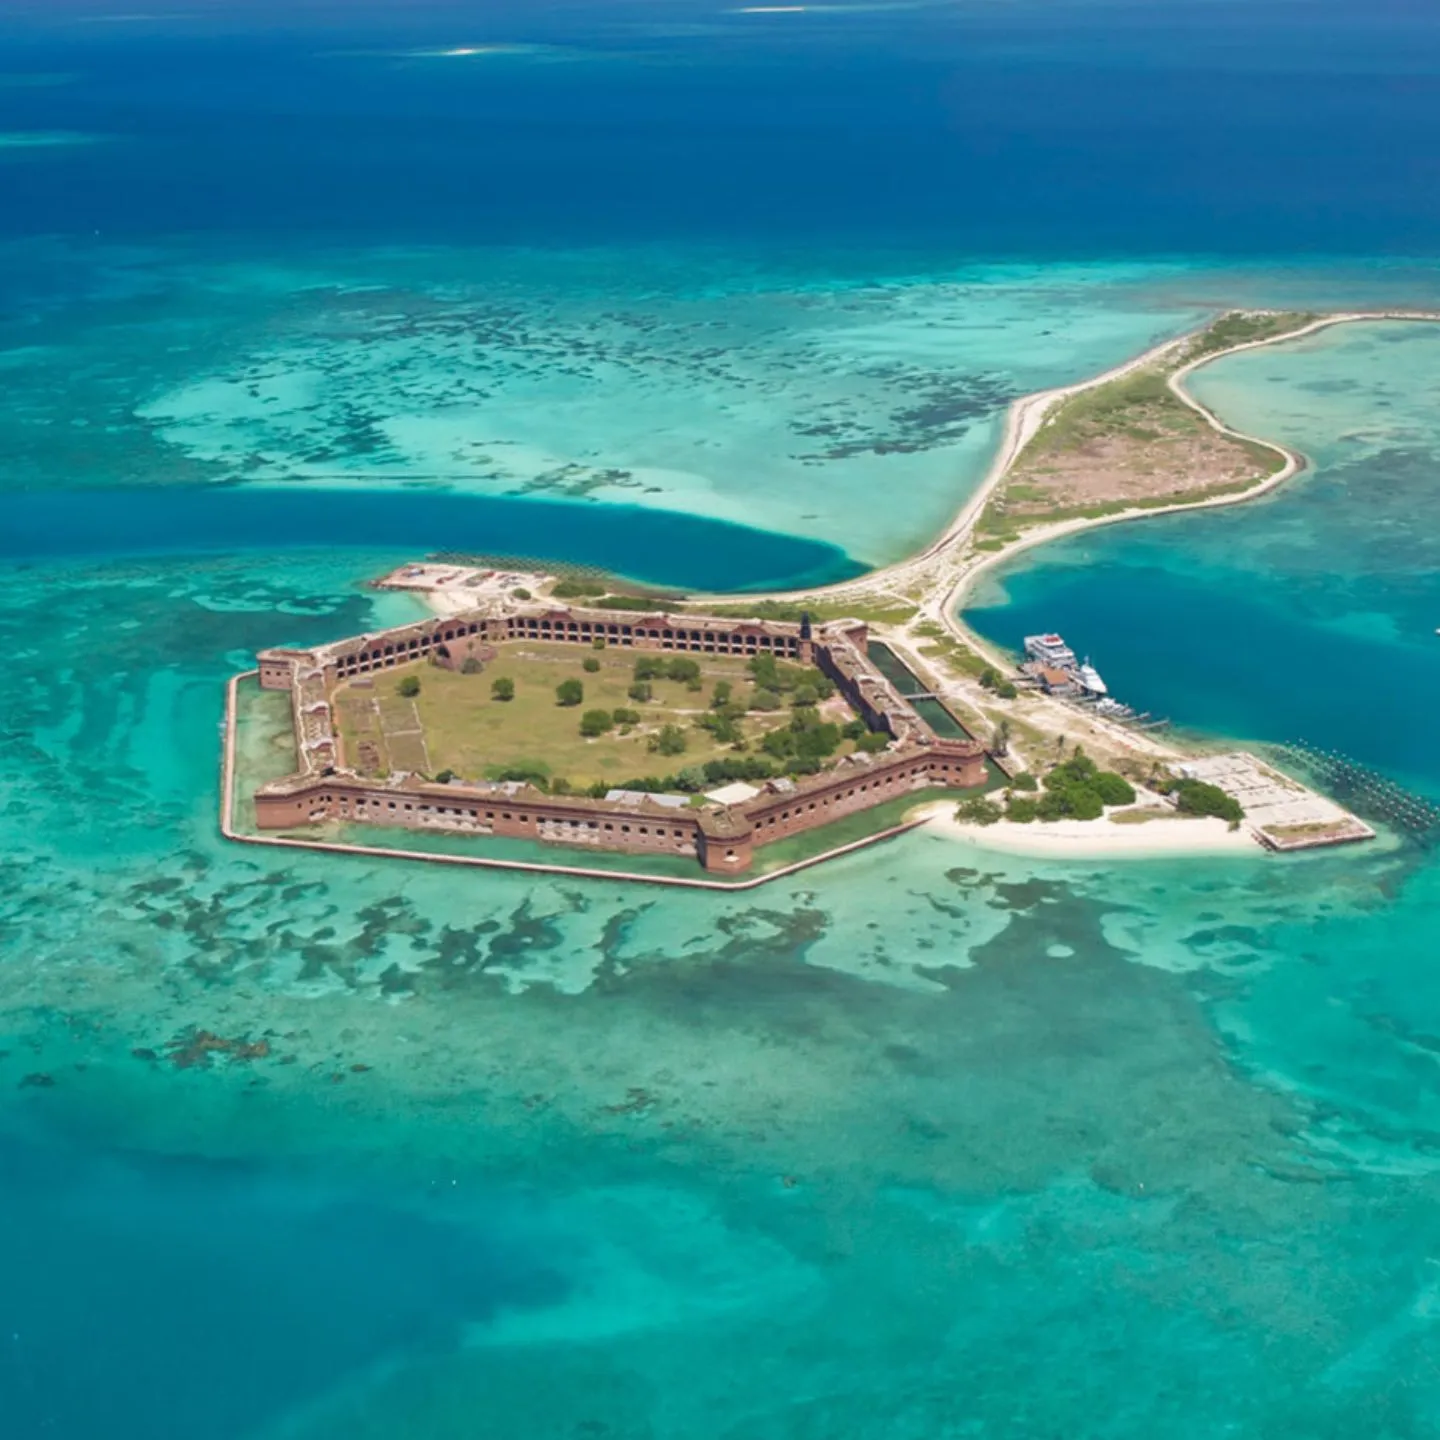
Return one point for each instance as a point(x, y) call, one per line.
point(926, 1143)
point(890, 1144)
point(734, 386)
point(927, 1137)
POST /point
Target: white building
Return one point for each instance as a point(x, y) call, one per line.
point(1050, 650)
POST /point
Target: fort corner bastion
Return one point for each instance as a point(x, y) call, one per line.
point(721, 832)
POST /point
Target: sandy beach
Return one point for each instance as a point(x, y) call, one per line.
point(1093, 839)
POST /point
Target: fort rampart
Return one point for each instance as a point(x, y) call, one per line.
point(722, 838)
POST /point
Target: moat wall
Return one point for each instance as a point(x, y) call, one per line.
point(721, 838)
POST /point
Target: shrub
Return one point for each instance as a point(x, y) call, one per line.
point(574, 586)
point(622, 715)
point(750, 767)
point(1024, 781)
point(595, 722)
point(1113, 789)
point(1078, 767)
point(641, 691)
point(872, 742)
point(590, 665)
point(536, 775)
point(1196, 797)
point(670, 741)
point(1006, 691)
point(444, 777)
point(409, 686)
point(570, 692)
point(691, 779)
point(470, 666)
point(721, 696)
point(989, 677)
point(561, 787)
point(598, 643)
point(817, 742)
point(683, 669)
point(805, 695)
point(764, 671)
point(649, 667)
point(1052, 805)
point(502, 689)
point(522, 594)
point(978, 811)
point(1079, 790)
point(779, 743)
point(1022, 812)
point(761, 699)
point(635, 602)
point(855, 730)
point(723, 726)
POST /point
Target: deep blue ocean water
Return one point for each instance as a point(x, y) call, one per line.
point(1063, 130)
point(935, 1144)
point(656, 546)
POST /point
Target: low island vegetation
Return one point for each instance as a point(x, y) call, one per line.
point(1198, 797)
point(1133, 443)
point(1074, 789)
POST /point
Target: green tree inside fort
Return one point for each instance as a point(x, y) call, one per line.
point(804, 743)
point(596, 722)
point(590, 665)
point(723, 724)
point(409, 687)
point(502, 689)
point(570, 692)
point(773, 675)
point(670, 740)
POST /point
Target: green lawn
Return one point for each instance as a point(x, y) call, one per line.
point(467, 731)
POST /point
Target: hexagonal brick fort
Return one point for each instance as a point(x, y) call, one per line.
point(721, 837)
